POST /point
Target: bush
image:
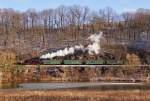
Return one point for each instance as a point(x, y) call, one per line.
point(7, 58)
point(133, 59)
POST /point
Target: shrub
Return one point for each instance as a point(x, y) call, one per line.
point(7, 58)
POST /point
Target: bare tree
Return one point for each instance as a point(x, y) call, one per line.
point(109, 14)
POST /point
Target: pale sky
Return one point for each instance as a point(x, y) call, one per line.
point(118, 5)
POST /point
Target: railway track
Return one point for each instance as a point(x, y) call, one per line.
point(87, 65)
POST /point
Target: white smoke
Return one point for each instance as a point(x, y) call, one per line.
point(93, 48)
point(66, 51)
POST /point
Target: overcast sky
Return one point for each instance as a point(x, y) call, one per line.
point(118, 5)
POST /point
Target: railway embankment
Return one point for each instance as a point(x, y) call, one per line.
point(72, 73)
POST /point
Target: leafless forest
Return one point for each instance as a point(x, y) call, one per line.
point(33, 30)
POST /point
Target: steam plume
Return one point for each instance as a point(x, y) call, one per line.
point(66, 51)
point(93, 48)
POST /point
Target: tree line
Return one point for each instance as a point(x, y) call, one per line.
point(38, 28)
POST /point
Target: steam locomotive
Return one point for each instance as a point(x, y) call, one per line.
point(79, 58)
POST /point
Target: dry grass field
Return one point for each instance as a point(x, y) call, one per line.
point(74, 95)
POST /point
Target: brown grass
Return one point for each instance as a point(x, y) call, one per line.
point(75, 95)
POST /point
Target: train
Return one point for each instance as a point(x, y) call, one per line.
point(37, 61)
